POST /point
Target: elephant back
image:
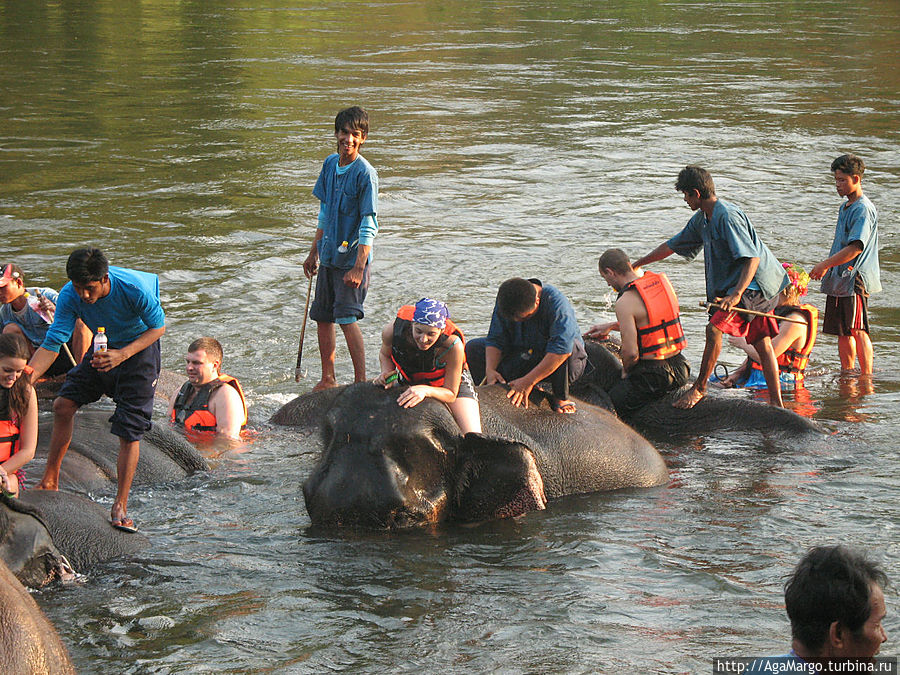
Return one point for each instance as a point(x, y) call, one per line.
point(80, 528)
point(587, 451)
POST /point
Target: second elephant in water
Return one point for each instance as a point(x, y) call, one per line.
point(387, 466)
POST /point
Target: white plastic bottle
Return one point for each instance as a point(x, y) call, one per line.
point(100, 340)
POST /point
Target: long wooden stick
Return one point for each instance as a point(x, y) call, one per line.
point(753, 312)
point(298, 371)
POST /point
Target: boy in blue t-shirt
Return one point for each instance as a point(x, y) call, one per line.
point(851, 271)
point(126, 303)
point(741, 273)
point(347, 189)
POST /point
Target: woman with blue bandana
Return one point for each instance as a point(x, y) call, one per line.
point(423, 348)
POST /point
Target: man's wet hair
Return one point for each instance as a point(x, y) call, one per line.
point(353, 118)
point(86, 265)
point(695, 178)
point(849, 164)
point(615, 259)
point(516, 297)
point(830, 583)
point(211, 346)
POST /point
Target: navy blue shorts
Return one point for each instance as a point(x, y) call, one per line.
point(131, 385)
point(335, 301)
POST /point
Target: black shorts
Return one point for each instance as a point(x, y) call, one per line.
point(466, 386)
point(845, 315)
point(647, 381)
point(131, 385)
point(335, 301)
point(62, 364)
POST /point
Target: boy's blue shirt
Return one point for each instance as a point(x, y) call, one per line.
point(857, 222)
point(347, 197)
point(31, 323)
point(130, 309)
point(553, 329)
point(727, 240)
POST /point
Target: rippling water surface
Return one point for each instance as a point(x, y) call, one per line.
point(511, 138)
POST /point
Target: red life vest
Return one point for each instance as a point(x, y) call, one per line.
point(9, 430)
point(195, 415)
point(795, 360)
point(418, 366)
point(663, 336)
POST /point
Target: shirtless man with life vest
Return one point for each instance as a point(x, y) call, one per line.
point(209, 402)
point(647, 316)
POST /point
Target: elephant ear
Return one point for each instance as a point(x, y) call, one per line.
point(495, 478)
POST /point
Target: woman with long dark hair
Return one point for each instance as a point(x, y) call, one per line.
point(18, 413)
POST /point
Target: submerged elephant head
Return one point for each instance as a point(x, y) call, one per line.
point(26, 546)
point(387, 466)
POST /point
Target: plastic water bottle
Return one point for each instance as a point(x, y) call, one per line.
point(344, 247)
point(100, 340)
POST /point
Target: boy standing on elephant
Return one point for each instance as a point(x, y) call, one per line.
point(648, 318)
point(851, 272)
point(342, 250)
point(533, 338)
point(741, 272)
point(126, 303)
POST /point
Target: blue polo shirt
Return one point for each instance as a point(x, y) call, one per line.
point(129, 310)
point(552, 329)
point(727, 239)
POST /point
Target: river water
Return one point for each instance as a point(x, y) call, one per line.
point(515, 138)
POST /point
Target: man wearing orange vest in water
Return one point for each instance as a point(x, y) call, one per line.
point(208, 402)
point(647, 316)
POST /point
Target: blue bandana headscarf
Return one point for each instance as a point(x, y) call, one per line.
point(431, 313)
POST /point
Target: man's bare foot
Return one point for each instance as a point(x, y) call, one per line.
point(46, 484)
point(689, 399)
point(325, 383)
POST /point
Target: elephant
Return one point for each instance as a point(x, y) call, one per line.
point(46, 535)
point(718, 411)
point(90, 463)
point(385, 466)
point(29, 644)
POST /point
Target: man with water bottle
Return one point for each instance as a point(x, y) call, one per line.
point(29, 312)
point(125, 303)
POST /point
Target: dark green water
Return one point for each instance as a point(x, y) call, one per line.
point(511, 138)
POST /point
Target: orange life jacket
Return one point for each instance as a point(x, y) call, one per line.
point(663, 336)
point(795, 360)
point(415, 365)
point(195, 416)
point(9, 430)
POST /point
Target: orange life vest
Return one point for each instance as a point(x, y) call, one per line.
point(795, 360)
point(415, 365)
point(195, 416)
point(9, 430)
point(663, 336)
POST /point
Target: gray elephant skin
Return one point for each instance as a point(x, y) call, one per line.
point(43, 533)
point(90, 463)
point(384, 466)
point(42, 529)
point(659, 420)
point(29, 645)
